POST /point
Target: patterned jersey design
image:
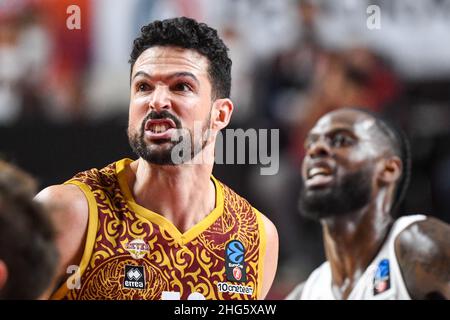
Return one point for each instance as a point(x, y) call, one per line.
point(168, 264)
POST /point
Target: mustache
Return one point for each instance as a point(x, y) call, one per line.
point(153, 115)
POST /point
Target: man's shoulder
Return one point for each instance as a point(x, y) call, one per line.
point(422, 251)
point(105, 173)
point(420, 236)
point(235, 200)
point(65, 203)
point(237, 203)
point(68, 210)
point(59, 194)
point(230, 193)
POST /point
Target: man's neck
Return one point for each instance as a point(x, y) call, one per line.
point(351, 243)
point(183, 194)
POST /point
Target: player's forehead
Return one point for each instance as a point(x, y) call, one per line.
point(159, 59)
point(359, 123)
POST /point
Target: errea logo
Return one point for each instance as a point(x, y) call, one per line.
point(134, 274)
point(134, 277)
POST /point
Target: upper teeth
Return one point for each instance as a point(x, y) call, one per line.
point(316, 171)
point(158, 128)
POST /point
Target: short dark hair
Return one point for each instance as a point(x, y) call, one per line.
point(189, 34)
point(26, 237)
point(400, 147)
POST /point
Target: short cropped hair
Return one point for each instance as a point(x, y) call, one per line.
point(189, 34)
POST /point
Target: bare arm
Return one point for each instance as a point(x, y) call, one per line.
point(423, 253)
point(271, 256)
point(68, 210)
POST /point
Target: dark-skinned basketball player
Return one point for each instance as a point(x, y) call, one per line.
point(355, 174)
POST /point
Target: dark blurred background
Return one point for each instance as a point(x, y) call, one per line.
point(64, 93)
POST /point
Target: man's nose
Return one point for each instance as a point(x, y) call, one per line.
point(319, 148)
point(160, 99)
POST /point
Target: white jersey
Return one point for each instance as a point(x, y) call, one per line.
point(382, 280)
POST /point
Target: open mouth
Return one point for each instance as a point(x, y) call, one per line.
point(319, 175)
point(159, 126)
point(318, 171)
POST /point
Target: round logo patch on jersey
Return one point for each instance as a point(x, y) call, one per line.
point(137, 248)
point(237, 273)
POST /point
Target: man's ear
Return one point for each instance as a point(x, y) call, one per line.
point(221, 113)
point(391, 170)
point(3, 274)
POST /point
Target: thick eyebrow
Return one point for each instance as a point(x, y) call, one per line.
point(314, 136)
point(341, 130)
point(169, 77)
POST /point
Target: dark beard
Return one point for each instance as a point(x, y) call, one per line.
point(352, 193)
point(163, 155)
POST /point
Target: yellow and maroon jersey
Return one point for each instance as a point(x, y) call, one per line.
point(134, 253)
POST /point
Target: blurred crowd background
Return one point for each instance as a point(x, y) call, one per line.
point(64, 93)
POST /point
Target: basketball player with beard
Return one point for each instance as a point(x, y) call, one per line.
point(355, 174)
point(161, 226)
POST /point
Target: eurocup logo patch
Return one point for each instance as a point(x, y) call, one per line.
point(382, 278)
point(235, 261)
